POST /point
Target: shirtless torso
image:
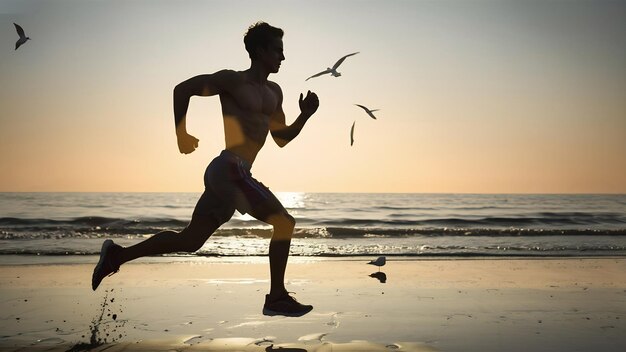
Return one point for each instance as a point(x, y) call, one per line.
point(247, 111)
point(251, 106)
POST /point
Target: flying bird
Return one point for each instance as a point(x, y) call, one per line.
point(380, 261)
point(333, 71)
point(352, 134)
point(368, 111)
point(23, 37)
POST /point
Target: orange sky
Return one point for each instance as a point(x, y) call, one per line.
point(474, 97)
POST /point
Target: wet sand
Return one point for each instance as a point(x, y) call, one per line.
point(423, 305)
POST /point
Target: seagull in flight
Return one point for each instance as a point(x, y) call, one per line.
point(368, 111)
point(333, 71)
point(23, 37)
point(380, 261)
point(352, 134)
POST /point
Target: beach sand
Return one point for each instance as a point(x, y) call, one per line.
point(214, 304)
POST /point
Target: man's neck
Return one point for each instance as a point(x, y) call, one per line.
point(257, 74)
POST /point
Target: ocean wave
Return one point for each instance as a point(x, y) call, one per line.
point(544, 220)
point(87, 222)
point(127, 229)
point(396, 219)
point(339, 232)
point(591, 252)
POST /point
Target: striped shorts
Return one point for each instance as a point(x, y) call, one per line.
point(229, 185)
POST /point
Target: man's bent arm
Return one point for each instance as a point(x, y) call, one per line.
point(203, 85)
point(283, 134)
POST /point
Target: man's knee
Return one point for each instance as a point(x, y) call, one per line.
point(191, 241)
point(195, 234)
point(284, 224)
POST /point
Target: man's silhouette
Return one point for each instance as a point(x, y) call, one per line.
point(251, 108)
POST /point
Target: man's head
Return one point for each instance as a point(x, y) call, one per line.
point(260, 36)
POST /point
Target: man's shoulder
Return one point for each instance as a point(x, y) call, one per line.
point(274, 86)
point(228, 79)
point(229, 74)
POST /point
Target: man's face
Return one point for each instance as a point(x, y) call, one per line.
point(272, 56)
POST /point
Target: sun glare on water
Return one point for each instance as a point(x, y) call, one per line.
point(291, 200)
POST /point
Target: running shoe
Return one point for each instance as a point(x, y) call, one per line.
point(285, 305)
point(105, 266)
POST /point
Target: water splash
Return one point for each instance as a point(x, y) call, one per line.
point(102, 330)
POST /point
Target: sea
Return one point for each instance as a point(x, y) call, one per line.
point(50, 226)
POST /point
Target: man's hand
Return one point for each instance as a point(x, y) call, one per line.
point(309, 104)
point(186, 142)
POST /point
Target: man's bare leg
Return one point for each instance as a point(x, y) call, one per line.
point(284, 225)
point(190, 239)
point(278, 301)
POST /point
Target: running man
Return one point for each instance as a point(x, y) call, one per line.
point(251, 108)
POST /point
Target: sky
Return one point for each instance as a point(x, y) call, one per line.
point(474, 96)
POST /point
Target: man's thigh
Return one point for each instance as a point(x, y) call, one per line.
point(257, 200)
point(211, 209)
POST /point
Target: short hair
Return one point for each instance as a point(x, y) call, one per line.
point(259, 35)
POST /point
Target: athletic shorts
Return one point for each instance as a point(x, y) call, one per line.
point(229, 185)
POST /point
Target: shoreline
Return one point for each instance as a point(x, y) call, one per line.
point(87, 259)
point(466, 304)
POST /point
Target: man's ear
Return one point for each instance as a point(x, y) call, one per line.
point(260, 50)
